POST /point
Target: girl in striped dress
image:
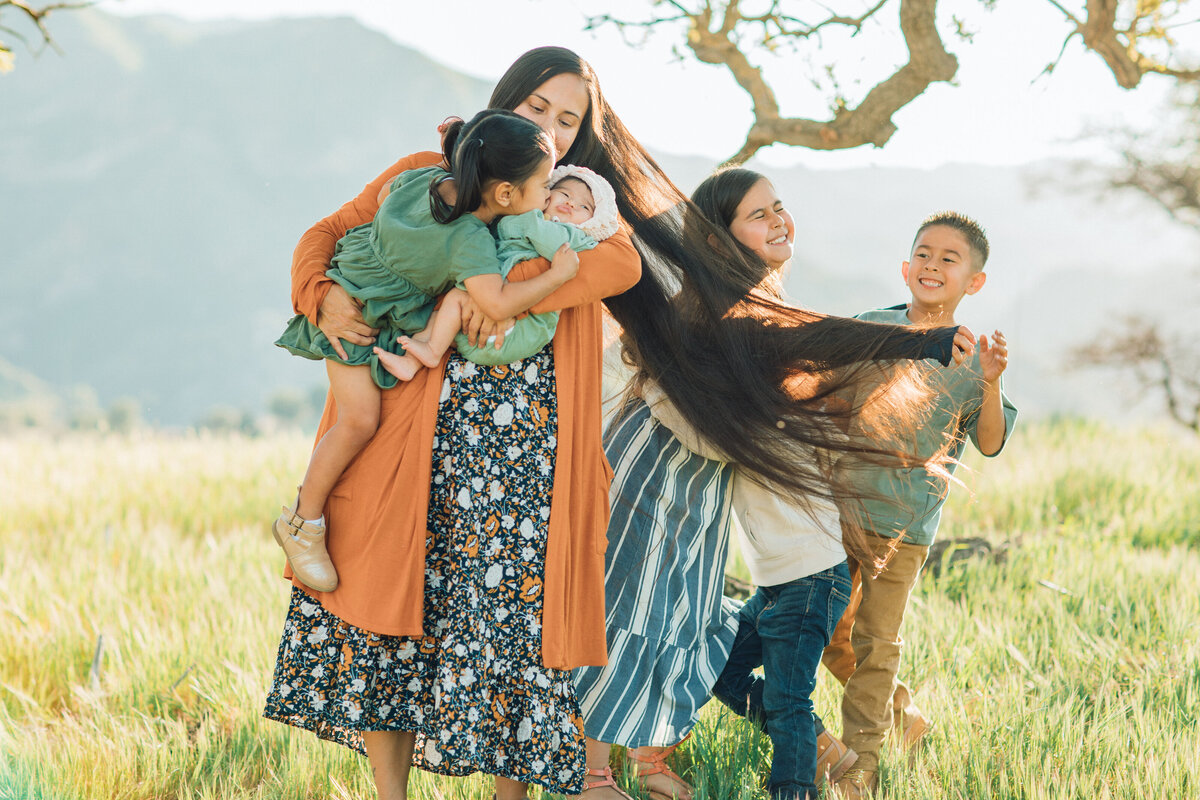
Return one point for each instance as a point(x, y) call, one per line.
point(669, 629)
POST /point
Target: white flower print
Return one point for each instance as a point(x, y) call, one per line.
point(358, 685)
point(477, 484)
point(507, 521)
point(503, 415)
point(318, 672)
point(527, 553)
point(527, 528)
point(464, 497)
point(432, 756)
point(514, 452)
point(538, 765)
point(496, 491)
point(354, 711)
point(471, 406)
point(406, 651)
point(493, 576)
point(525, 731)
point(531, 373)
point(444, 395)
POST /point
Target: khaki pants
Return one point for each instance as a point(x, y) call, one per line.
point(864, 651)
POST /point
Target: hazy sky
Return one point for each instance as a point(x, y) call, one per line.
point(1000, 112)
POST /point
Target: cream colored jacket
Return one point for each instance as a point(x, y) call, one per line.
point(780, 541)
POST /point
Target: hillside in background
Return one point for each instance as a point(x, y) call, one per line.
point(155, 179)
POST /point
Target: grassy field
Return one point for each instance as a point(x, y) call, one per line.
point(140, 609)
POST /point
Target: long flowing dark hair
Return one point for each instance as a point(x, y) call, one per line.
point(738, 364)
point(495, 145)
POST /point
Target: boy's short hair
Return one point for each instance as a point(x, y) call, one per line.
point(975, 235)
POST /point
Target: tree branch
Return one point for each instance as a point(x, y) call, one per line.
point(1119, 46)
point(871, 121)
point(36, 16)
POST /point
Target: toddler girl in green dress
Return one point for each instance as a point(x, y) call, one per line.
point(583, 211)
point(430, 233)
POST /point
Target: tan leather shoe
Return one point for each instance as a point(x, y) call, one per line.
point(856, 784)
point(909, 726)
point(833, 757)
point(304, 544)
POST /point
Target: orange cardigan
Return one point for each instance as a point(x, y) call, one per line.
point(377, 512)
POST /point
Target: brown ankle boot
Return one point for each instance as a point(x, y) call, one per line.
point(304, 544)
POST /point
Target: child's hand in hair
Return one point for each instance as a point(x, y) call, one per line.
point(444, 126)
point(964, 344)
point(565, 263)
point(993, 356)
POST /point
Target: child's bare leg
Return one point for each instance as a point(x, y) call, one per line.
point(357, 399)
point(403, 367)
point(430, 344)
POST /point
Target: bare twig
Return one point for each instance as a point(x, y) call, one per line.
point(37, 16)
point(94, 672)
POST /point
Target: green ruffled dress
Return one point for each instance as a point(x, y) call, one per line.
point(397, 265)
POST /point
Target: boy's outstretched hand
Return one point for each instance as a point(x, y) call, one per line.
point(993, 356)
point(964, 344)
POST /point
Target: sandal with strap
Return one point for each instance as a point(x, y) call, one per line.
point(656, 765)
point(606, 774)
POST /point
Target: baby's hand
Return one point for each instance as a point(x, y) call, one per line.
point(964, 344)
point(445, 124)
point(994, 358)
point(565, 263)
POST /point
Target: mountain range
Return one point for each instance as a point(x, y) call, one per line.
point(156, 175)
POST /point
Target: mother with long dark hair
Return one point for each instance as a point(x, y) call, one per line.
point(469, 534)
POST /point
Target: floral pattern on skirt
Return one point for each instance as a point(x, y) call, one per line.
point(473, 689)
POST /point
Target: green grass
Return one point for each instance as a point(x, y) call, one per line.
point(1069, 669)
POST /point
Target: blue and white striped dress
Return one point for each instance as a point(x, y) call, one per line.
point(668, 626)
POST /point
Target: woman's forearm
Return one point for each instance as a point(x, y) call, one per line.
point(849, 341)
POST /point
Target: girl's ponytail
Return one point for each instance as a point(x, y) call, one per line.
point(442, 211)
point(495, 145)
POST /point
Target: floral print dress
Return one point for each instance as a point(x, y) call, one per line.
point(473, 689)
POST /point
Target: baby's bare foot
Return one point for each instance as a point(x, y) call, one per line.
point(403, 367)
point(420, 350)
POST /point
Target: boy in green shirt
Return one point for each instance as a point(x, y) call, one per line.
point(946, 264)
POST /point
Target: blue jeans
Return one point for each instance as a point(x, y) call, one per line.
point(784, 629)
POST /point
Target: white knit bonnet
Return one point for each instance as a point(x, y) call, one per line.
point(605, 220)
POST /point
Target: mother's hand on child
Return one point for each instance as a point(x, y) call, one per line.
point(340, 317)
point(964, 344)
point(479, 327)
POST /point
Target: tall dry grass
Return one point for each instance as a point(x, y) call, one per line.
point(140, 608)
